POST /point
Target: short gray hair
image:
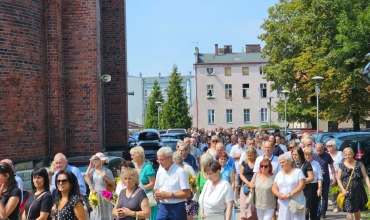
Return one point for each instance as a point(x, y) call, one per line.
point(332, 143)
point(177, 158)
point(167, 151)
point(286, 156)
point(60, 156)
point(185, 145)
point(206, 159)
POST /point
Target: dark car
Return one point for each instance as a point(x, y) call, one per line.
point(150, 141)
point(361, 150)
point(320, 137)
point(170, 142)
point(135, 135)
point(340, 137)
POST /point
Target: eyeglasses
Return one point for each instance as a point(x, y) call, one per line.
point(161, 160)
point(291, 148)
point(329, 145)
point(264, 166)
point(214, 141)
point(209, 174)
point(63, 182)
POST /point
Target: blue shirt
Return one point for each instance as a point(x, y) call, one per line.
point(77, 173)
point(226, 173)
point(229, 162)
point(190, 160)
point(324, 159)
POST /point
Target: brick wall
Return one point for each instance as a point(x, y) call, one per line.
point(22, 97)
point(115, 64)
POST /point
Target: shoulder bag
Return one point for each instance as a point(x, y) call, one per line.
point(341, 197)
point(28, 213)
point(294, 206)
point(152, 201)
point(109, 187)
point(250, 200)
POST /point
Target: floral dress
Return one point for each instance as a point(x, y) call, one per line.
point(67, 212)
point(104, 210)
point(357, 198)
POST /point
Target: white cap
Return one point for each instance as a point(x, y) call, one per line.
point(100, 155)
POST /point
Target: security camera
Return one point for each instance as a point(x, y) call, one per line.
point(106, 78)
point(131, 93)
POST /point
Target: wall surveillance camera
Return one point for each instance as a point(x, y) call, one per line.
point(106, 78)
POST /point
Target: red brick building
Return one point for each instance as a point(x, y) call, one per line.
point(52, 55)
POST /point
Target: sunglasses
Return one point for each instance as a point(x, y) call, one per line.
point(214, 141)
point(264, 166)
point(62, 182)
point(291, 148)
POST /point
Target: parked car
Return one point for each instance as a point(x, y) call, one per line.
point(176, 131)
point(131, 141)
point(320, 137)
point(162, 132)
point(174, 136)
point(340, 137)
point(171, 142)
point(150, 140)
point(135, 135)
point(361, 150)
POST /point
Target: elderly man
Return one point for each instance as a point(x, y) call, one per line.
point(268, 147)
point(195, 151)
point(232, 143)
point(235, 153)
point(17, 178)
point(172, 187)
point(61, 163)
point(307, 143)
point(188, 158)
point(325, 161)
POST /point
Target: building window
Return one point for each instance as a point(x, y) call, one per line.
point(245, 70)
point(246, 94)
point(145, 93)
point(210, 91)
point(227, 71)
point(263, 89)
point(210, 71)
point(264, 114)
point(280, 117)
point(228, 91)
point(229, 116)
point(211, 116)
point(262, 71)
point(279, 94)
point(247, 116)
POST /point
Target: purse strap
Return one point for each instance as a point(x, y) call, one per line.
point(28, 213)
point(350, 178)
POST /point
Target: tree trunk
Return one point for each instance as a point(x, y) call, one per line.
point(356, 122)
point(313, 125)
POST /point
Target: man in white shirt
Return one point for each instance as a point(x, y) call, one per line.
point(250, 143)
point(17, 178)
point(172, 187)
point(232, 143)
point(268, 148)
point(235, 153)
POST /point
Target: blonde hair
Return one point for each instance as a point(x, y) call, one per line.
point(348, 150)
point(52, 169)
point(215, 138)
point(250, 150)
point(308, 150)
point(332, 143)
point(130, 173)
point(139, 150)
point(206, 159)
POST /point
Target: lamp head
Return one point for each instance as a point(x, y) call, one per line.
point(158, 102)
point(106, 78)
point(317, 78)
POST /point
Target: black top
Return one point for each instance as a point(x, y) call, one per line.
point(133, 204)
point(277, 151)
point(305, 166)
point(248, 172)
point(43, 203)
point(324, 159)
point(15, 192)
point(67, 212)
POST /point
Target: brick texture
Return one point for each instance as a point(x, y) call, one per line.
point(52, 54)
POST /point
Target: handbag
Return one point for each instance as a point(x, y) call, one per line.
point(245, 189)
point(250, 198)
point(341, 197)
point(152, 201)
point(294, 206)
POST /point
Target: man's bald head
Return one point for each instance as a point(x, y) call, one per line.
point(60, 161)
point(8, 161)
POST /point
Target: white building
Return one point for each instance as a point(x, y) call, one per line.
point(231, 89)
point(135, 102)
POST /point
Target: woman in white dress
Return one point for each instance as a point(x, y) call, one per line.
point(289, 184)
point(217, 197)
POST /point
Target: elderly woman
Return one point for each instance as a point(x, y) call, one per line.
point(300, 163)
point(262, 183)
point(355, 195)
point(246, 173)
point(132, 202)
point(146, 174)
point(96, 177)
point(212, 149)
point(288, 185)
point(191, 206)
point(316, 183)
point(216, 199)
point(337, 157)
point(201, 176)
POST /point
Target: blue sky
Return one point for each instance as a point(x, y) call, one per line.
point(159, 33)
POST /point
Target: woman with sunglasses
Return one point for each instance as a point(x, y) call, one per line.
point(291, 146)
point(40, 202)
point(337, 157)
point(10, 193)
point(68, 197)
point(212, 150)
point(262, 183)
point(246, 174)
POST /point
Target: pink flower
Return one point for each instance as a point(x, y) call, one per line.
point(106, 194)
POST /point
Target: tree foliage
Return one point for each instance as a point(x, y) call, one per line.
point(151, 115)
point(328, 38)
point(175, 109)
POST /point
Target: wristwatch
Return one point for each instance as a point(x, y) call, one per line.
point(172, 196)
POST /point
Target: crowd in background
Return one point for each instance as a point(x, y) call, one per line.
point(211, 174)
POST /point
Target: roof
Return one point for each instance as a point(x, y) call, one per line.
point(254, 57)
point(164, 79)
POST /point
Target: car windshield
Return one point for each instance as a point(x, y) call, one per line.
point(171, 144)
point(135, 134)
point(175, 131)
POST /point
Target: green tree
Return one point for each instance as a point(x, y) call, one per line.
point(305, 38)
point(151, 114)
point(175, 109)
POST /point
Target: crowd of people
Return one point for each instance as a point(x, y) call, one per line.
point(209, 176)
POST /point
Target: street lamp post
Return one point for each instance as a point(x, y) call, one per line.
point(285, 92)
point(318, 80)
point(158, 103)
point(269, 106)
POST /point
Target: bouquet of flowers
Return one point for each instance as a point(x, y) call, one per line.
point(93, 201)
point(192, 183)
point(108, 196)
